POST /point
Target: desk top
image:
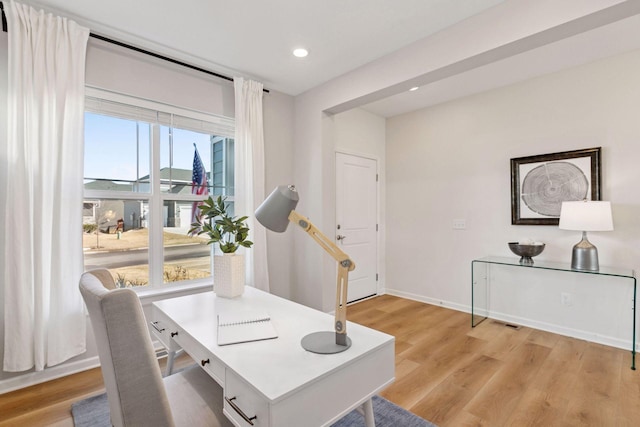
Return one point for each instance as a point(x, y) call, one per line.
point(275, 367)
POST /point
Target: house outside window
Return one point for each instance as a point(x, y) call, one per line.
point(138, 200)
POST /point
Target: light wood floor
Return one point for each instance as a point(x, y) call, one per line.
point(494, 375)
point(446, 372)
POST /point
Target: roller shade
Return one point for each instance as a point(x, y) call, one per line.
point(206, 123)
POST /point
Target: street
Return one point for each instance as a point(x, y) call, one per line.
point(117, 259)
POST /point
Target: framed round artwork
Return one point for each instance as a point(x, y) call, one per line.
point(539, 184)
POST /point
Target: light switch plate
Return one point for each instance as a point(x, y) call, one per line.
point(459, 224)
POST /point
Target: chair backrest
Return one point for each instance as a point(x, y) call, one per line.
point(132, 377)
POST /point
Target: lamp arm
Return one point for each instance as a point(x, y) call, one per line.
point(330, 247)
point(345, 265)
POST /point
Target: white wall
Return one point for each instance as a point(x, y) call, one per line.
point(278, 116)
point(452, 162)
point(360, 132)
point(120, 70)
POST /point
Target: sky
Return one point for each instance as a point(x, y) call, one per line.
point(111, 153)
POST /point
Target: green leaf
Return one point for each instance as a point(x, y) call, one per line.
point(228, 248)
point(229, 232)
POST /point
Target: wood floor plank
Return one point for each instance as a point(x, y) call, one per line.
point(456, 390)
point(496, 401)
point(629, 398)
point(543, 338)
point(465, 419)
point(411, 389)
point(405, 368)
point(58, 414)
point(505, 342)
point(568, 348)
point(558, 374)
point(486, 330)
point(435, 331)
point(538, 409)
point(557, 378)
point(599, 384)
point(436, 362)
point(407, 323)
point(50, 393)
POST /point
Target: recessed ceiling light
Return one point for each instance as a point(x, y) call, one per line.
point(300, 52)
point(414, 88)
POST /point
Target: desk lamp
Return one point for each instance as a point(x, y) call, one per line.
point(275, 213)
point(585, 216)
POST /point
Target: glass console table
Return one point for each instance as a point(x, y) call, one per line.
point(480, 286)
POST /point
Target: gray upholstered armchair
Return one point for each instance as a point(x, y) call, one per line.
point(137, 393)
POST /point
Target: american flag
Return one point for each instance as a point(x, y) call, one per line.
point(199, 184)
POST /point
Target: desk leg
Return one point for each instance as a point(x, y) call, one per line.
point(367, 408)
point(479, 292)
point(171, 355)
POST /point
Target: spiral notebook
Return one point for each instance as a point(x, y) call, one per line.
point(238, 327)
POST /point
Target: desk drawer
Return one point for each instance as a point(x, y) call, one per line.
point(202, 356)
point(164, 330)
point(242, 404)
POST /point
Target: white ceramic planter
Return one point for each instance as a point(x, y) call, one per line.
point(228, 275)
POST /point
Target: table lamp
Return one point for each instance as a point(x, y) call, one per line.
point(585, 216)
point(275, 213)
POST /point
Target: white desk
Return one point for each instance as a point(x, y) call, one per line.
point(277, 381)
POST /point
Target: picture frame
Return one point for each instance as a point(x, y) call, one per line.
point(540, 183)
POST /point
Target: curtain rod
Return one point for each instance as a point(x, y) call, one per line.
point(140, 50)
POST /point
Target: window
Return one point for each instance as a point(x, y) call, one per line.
point(138, 187)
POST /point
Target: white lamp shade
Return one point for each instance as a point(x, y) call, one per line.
point(586, 216)
point(274, 212)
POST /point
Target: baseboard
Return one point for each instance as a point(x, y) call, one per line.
point(547, 327)
point(32, 378)
point(568, 332)
point(432, 301)
point(55, 372)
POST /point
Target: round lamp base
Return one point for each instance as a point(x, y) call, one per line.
point(323, 342)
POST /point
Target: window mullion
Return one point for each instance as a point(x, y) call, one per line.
point(156, 243)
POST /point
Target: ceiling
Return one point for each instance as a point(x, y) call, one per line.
point(255, 39)
point(601, 42)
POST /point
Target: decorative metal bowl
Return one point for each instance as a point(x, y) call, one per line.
point(526, 252)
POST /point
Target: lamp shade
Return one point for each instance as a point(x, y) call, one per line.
point(586, 216)
point(274, 212)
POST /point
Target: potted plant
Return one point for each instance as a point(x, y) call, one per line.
point(229, 233)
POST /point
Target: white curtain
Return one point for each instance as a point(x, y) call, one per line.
point(44, 315)
point(249, 175)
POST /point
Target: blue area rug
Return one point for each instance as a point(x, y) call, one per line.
point(94, 412)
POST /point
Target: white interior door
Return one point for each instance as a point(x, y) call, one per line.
point(356, 220)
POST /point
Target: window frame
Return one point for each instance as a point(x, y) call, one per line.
point(156, 197)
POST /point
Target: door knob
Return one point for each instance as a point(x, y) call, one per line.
point(340, 237)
